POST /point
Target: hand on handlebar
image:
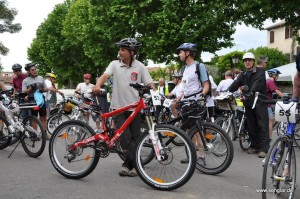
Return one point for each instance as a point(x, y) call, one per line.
point(294, 99)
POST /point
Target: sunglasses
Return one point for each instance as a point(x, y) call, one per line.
point(17, 70)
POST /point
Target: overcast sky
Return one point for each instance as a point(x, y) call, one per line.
point(31, 13)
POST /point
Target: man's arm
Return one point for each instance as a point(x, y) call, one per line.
point(100, 82)
point(296, 86)
point(205, 86)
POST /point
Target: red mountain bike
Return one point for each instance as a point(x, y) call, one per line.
point(75, 149)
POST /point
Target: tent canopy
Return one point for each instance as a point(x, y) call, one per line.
point(287, 72)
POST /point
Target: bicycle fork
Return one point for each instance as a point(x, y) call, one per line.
point(154, 138)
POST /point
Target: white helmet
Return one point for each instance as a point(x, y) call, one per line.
point(249, 55)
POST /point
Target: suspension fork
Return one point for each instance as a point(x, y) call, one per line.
point(201, 133)
point(155, 138)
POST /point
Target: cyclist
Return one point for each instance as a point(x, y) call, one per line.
point(296, 86)
point(86, 88)
point(257, 119)
point(193, 84)
point(18, 79)
point(177, 92)
point(124, 71)
point(271, 89)
point(224, 84)
point(51, 98)
point(30, 85)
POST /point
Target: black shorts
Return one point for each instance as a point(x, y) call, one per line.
point(42, 111)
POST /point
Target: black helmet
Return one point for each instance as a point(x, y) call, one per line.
point(187, 47)
point(16, 67)
point(28, 66)
point(129, 43)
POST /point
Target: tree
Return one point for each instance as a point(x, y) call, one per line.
point(275, 58)
point(53, 52)
point(256, 12)
point(7, 16)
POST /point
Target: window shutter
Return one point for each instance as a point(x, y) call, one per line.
point(287, 32)
point(272, 36)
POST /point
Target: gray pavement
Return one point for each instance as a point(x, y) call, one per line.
point(22, 177)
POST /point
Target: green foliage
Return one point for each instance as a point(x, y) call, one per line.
point(275, 58)
point(7, 16)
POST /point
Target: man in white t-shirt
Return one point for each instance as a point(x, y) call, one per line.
point(224, 84)
point(177, 92)
point(192, 87)
point(86, 89)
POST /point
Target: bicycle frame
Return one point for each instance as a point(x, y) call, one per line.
point(138, 106)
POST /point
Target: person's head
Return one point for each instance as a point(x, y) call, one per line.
point(186, 51)
point(262, 61)
point(31, 69)
point(128, 48)
point(274, 73)
point(50, 76)
point(161, 82)
point(228, 74)
point(177, 78)
point(87, 78)
point(249, 60)
point(17, 69)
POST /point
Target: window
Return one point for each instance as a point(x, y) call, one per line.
point(272, 36)
point(288, 32)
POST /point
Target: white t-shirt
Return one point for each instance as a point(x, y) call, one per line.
point(178, 90)
point(224, 85)
point(86, 89)
point(48, 84)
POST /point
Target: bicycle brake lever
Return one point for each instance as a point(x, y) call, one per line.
point(255, 99)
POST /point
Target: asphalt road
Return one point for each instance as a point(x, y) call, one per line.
point(22, 177)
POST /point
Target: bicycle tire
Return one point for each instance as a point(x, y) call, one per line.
point(274, 165)
point(5, 137)
point(244, 138)
point(223, 123)
point(220, 149)
point(56, 119)
point(63, 136)
point(35, 146)
point(152, 173)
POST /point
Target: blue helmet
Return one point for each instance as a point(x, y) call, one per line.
point(187, 47)
point(273, 71)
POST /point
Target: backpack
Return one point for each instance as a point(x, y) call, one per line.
point(198, 74)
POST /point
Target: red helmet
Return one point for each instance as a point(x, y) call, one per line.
point(87, 76)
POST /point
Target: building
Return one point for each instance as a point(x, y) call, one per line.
point(6, 77)
point(281, 36)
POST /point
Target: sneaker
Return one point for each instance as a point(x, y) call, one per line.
point(262, 154)
point(132, 173)
point(184, 161)
point(124, 171)
point(252, 151)
point(201, 161)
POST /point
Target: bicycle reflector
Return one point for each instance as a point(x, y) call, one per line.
point(159, 180)
point(169, 134)
point(36, 108)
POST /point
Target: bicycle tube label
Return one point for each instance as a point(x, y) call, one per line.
point(167, 103)
point(285, 112)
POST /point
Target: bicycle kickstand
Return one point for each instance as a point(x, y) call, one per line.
point(16, 146)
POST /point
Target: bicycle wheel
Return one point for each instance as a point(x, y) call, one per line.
point(279, 178)
point(5, 136)
point(244, 138)
point(147, 155)
point(225, 124)
point(34, 140)
point(167, 174)
point(219, 154)
point(56, 119)
point(80, 162)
